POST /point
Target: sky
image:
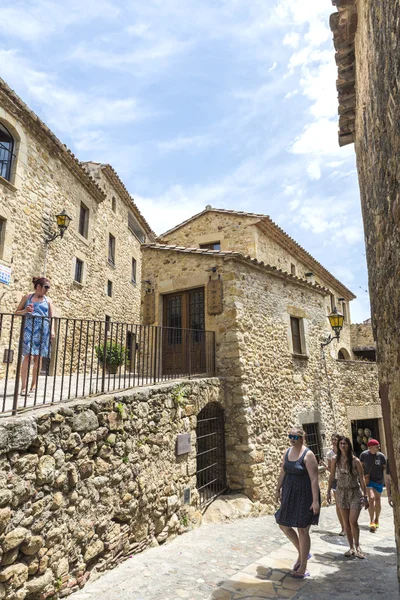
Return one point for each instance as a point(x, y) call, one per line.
point(230, 103)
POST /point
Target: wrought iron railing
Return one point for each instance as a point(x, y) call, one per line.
point(88, 357)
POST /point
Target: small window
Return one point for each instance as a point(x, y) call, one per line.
point(296, 335)
point(109, 288)
point(332, 301)
point(313, 439)
point(341, 355)
point(344, 311)
point(133, 226)
point(83, 225)
point(211, 246)
point(107, 319)
point(6, 153)
point(293, 269)
point(113, 204)
point(79, 270)
point(2, 235)
point(133, 275)
point(111, 249)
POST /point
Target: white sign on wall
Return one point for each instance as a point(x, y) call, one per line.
point(5, 274)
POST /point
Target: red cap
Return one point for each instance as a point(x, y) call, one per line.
point(373, 442)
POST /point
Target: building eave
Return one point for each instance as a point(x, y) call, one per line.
point(239, 257)
point(13, 103)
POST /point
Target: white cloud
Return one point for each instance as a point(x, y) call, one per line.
point(273, 67)
point(291, 39)
point(196, 142)
point(314, 170)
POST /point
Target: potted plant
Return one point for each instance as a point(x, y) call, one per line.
point(115, 356)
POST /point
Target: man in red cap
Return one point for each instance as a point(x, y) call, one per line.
point(374, 463)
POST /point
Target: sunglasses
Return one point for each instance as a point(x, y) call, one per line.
point(46, 287)
point(293, 437)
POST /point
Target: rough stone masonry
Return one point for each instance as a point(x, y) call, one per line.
point(86, 484)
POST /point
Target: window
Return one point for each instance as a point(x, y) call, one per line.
point(83, 225)
point(111, 249)
point(211, 246)
point(332, 301)
point(113, 204)
point(344, 310)
point(296, 335)
point(133, 275)
point(313, 440)
point(109, 288)
point(293, 269)
point(78, 270)
point(134, 228)
point(6, 152)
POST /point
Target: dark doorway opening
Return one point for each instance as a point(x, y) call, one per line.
point(362, 430)
point(210, 458)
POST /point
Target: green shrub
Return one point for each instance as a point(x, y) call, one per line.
point(115, 355)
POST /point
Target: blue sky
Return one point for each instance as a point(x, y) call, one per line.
point(224, 102)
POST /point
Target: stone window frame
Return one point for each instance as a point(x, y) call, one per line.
point(83, 258)
point(88, 203)
point(20, 151)
point(293, 268)
point(8, 230)
point(111, 263)
point(313, 417)
point(211, 238)
point(134, 271)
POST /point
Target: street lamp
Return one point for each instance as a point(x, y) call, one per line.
point(63, 220)
point(336, 320)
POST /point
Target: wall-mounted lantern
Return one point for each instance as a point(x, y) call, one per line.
point(336, 320)
point(63, 221)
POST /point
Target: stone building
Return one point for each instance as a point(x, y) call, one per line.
point(366, 39)
point(267, 300)
point(95, 269)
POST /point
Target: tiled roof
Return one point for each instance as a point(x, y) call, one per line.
point(240, 257)
point(267, 225)
point(26, 115)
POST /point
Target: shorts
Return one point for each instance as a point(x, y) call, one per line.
point(376, 486)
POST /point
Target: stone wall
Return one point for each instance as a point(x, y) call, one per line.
point(267, 387)
point(361, 335)
point(377, 148)
point(85, 484)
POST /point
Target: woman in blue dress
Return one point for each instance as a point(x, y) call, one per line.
point(299, 497)
point(38, 329)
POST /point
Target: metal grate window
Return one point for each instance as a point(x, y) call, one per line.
point(79, 270)
point(313, 439)
point(6, 152)
point(210, 453)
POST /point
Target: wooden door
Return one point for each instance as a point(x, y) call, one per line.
point(184, 336)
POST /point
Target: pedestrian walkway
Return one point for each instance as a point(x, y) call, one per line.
point(251, 559)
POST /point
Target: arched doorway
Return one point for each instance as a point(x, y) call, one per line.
point(210, 453)
point(343, 354)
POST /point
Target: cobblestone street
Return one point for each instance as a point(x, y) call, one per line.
point(251, 559)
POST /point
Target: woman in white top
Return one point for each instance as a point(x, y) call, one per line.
point(331, 454)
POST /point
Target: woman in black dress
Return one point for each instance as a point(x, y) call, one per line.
point(299, 497)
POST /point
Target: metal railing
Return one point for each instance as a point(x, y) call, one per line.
point(87, 357)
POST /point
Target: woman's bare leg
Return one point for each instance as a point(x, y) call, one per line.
point(355, 529)
point(338, 513)
point(305, 544)
point(347, 527)
point(37, 363)
point(24, 373)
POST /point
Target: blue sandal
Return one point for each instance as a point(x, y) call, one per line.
point(301, 575)
point(297, 563)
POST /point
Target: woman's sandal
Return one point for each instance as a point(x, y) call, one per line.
point(359, 553)
point(350, 552)
point(301, 575)
point(297, 564)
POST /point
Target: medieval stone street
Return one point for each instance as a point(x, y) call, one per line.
point(251, 559)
